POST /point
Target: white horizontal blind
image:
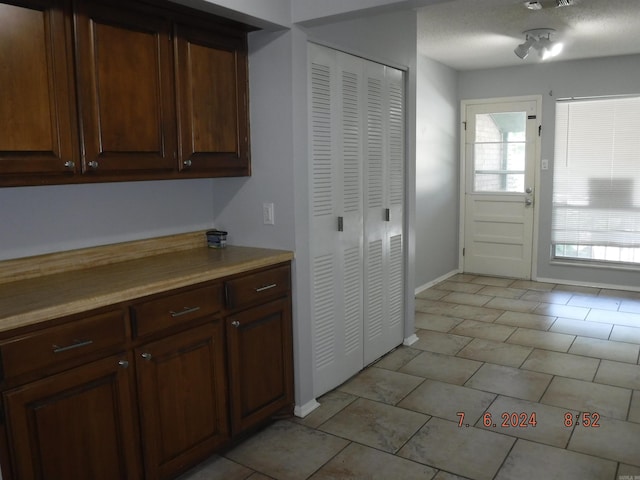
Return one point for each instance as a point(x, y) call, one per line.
point(596, 185)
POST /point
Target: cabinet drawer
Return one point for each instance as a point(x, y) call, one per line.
point(70, 344)
point(174, 309)
point(258, 286)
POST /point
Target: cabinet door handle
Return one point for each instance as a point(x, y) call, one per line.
point(266, 287)
point(146, 356)
point(387, 215)
point(123, 363)
point(93, 165)
point(187, 163)
point(184, 311)
point(235, 323)
point(77, 344)
point(69, 165)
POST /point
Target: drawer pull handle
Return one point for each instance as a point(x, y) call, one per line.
point(266, 287)
point(123, 363)
point(184, 311)
point(235, 323)
point(146, 356)
point(78, 344)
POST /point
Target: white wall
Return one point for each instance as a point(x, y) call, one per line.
point(44, 219)
point(603, 76)
point(437, 171)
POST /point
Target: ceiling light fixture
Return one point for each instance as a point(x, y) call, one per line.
point(540, 40)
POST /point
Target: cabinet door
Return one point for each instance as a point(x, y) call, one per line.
point(77, 424)
point(182, 392)
point(260, 363)
point(125, 90)
point(212, 89)
point(35, 92)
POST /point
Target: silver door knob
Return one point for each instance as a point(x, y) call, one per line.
point(528, 202)
point(93, 165)
point(123, 363)
point(69, 165)
point(529, 190)
point(187, 163)
point(146, 356)
point(235, 323)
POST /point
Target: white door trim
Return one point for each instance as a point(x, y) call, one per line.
point(463, 176)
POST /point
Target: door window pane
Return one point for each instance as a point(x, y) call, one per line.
point(499, 152)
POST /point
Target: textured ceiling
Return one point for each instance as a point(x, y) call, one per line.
point(477, 34)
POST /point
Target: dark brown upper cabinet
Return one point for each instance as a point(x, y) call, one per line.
point(97, 90)
point(36, 92)
point(125, 90)
point(211, 78)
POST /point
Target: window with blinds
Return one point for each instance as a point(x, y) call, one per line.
point(596, 184)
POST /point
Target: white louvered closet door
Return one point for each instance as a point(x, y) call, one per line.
point(357, 160)
point(336, 212)
point(384, 202)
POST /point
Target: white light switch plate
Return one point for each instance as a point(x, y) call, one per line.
point(545, 164)
point(267, 214)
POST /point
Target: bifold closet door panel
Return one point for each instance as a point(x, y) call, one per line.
point(336, 215)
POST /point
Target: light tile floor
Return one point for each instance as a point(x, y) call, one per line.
point(492, 353)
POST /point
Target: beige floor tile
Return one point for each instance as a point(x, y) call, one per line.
point(534, 461)
point(578, 289)
point(217, 468)
point(358, 462)
point(488, 331)
point(442, 475)
point(381, 385)
point(625, 334)
point(467, 299)
point(504, 292)
point(588, 397)
point(582, 328)
point(510, 381)
point(564, 364)
point(440, 342)
point(462, 277)
point(526, 320)
point(480, 314)
point(624, 294)
point(431, 294)
point(513, 305)
point(467, 451)
point(445, 400)
point(432, 306)
point(564, 311)
point(493, 281)
point(606, 349)
point(495, 352)
point(375, 424)
point(595, 301)
point(628, 472)
point(442, 367)
point(537, 286)
point(630, 306)
point(619, 318)
point(398, 358)
point(559, 342)
point(614, 439)
point(330, 404)
point(549, 421)
point(618, 374)
point(438, 323)
point(258, 476)
point(634, 410)
point(460, 287)
point(287, 450)
point(559, 298)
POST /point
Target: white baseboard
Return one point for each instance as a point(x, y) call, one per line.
point(588, 284)
point(410, 340)
point(304, 410)
point(444, 277)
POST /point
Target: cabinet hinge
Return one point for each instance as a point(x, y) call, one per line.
point(465, 125)
point(539, 130)
point(463, 251)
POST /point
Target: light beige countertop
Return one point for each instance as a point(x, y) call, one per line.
point(45, 297)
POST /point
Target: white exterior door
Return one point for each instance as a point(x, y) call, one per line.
point(501, 146)
point(357, 199)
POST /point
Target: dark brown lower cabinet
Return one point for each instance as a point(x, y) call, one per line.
point(182, 399)
point(75, 424)
point(260, 364)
